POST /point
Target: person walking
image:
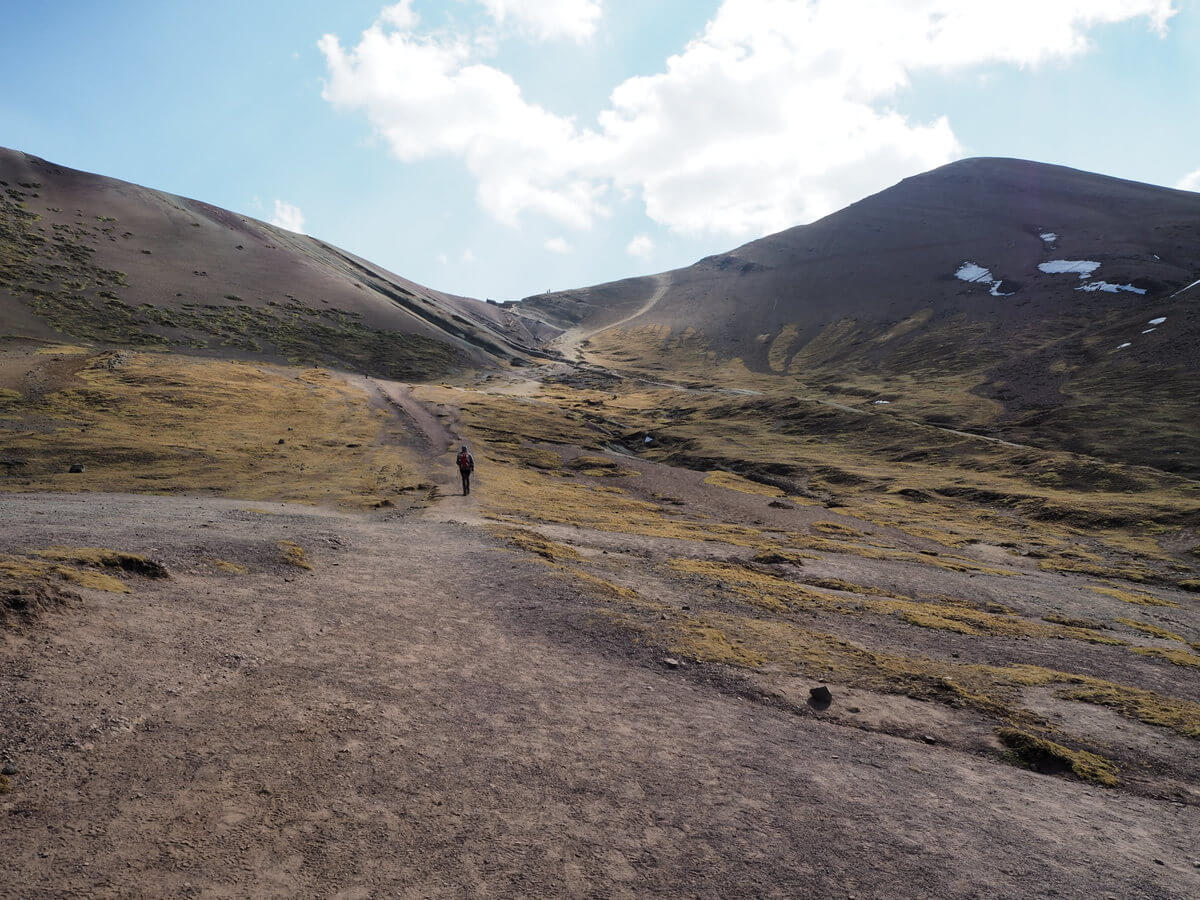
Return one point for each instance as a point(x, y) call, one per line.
point(466, 465)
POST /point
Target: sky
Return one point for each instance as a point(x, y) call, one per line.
point(500, 148)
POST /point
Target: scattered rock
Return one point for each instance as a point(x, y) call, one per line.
point(281, 441)
point(384, 504)
point(76, 468)
point(820, 697)
point(671, 662)
point(779, 504)
point(9, 769)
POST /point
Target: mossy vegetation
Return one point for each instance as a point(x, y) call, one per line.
point(100, 557)
point(1044, 755)
point(293, 554)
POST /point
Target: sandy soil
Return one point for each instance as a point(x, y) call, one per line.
point(426, 714)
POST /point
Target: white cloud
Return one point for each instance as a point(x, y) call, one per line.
point(778, 113)
point(548, 19)
point(557, 245)
point(467, 256)
point(443, 258)
point(288, 216)
point(641, 246)
point(400, 15)
point(1190, 182)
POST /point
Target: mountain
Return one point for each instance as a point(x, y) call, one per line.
point(95, 259)
point(1029, 301)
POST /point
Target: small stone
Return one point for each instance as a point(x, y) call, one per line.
point(929, 739)
point(385, 504)
point(76, 468)
point(671, 662)
point(9, 769)
point(820, 697)
point(853, 709)
point(1159, 862)
point(281, 441)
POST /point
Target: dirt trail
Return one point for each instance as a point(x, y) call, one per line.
point(570, 340)
point(427, 714)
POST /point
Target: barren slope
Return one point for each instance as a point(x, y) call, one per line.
point(866, 305)
point(98, 259)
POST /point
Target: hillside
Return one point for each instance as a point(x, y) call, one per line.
point(89, 258)
point(1032, 302)
point(704, 615)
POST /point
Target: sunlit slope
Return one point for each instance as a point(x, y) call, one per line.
point(1040, 303)
point(100, 260)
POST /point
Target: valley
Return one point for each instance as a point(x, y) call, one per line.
point(257, 643)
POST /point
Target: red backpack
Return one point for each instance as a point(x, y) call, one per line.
point(465, 462)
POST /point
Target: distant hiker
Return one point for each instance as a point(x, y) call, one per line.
point(466, 465)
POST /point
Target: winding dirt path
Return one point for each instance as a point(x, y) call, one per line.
point(570, 340)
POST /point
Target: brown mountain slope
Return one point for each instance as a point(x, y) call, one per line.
point(101, 260)
point(865, 306)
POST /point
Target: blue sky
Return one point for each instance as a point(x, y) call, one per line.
point(478, 146)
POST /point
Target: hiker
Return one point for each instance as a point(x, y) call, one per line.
point(466, 465)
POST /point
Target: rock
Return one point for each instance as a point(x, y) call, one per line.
point(820, 697)
point(281, 441)
point(76, 468)
point(9, 769)
point(853, 709)
point(385, 504)
point(779, 504)
point(671, 662)
point(929, 739)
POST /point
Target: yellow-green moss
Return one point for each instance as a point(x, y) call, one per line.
point(293, 554)
point(1047, 756)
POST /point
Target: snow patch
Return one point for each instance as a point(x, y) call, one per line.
point(973, 273)
point(1148, 330)
point(880, 402)
point(1157, 321)
point(1188, 288)
point(1081, 267)
point(1110, 288)
point(1124, 345)
point(1048, 236)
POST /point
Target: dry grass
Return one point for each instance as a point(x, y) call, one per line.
point(293, 554)
point(1178, 657)
point(733, 482)
point(153, 423)
point(778, 594)
point(20, 571)
point(101, 557)
point(1154, 630)
point(1043, 755)
point(533, 542)
point(1138, 598)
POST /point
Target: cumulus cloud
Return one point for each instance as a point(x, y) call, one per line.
point(1190, 182)
point(641, 246)
point(288, 216)
point(778, 113)
point(548, 19)
point(400, 15)
point(557, 245)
